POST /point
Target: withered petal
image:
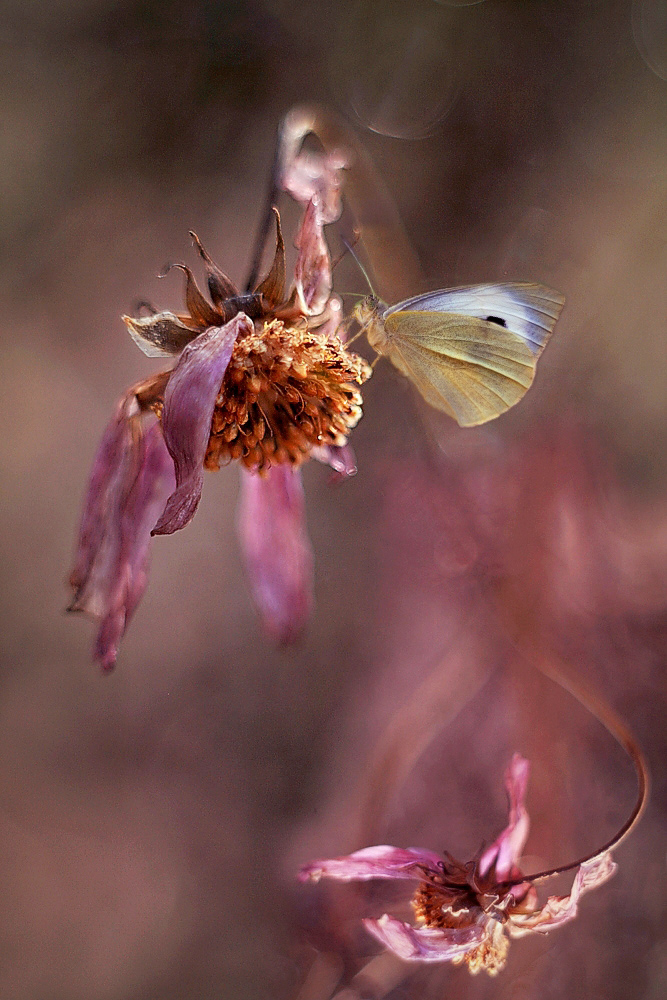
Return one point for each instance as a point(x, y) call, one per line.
point(131, 478)
point(273, 285)
point(189, 401)
point(424, 944)
point(506, 849)
point(219, 285)
point(559, 910)
point(381, 861)
point(309, 174)
point(153, 483)
point(312, 272)
point(340, 458)
point(276, 548)
point(160, 336)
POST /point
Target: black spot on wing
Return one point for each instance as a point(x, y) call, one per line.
point(496, 319)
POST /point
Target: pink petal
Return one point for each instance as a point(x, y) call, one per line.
point(108, 481)
point(340, 458)
point(312, 273)
point(424, 944)
point(559, 910)
point(146, 500)
point(507, 848)
point(307, 175)
point(132, 476)
point(381, 861)
point(189, 401)
point(275, 543)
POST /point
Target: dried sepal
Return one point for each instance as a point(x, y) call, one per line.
point(273, 285)
point(220, 286)
point(161, 335)
point(201, 311)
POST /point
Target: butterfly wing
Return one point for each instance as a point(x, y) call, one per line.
point(528, 310)
point(472, 369)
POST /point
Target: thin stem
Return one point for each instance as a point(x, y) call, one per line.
point(556, 671)
point(273, 191)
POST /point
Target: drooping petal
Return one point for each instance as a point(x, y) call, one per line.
point(507, 848)
point(312, 273)
point(161, 335)
point(276, 547)
point(382, 861)
point(559, 910)
point(340, 458)
point(189, 401)
point(424, 944)
point(131, 478)
point(145, 501)
point(114, 468)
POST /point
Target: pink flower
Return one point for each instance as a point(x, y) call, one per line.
point(261, 377)
point(466, 912)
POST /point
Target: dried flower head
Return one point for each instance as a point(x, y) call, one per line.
point(466, 912)
point(286, 389)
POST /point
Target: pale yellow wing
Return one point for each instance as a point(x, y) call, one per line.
point(471, 368)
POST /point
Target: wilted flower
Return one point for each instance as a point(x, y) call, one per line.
point(261, 377)
point(466, 912)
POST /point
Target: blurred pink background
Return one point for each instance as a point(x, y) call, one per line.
point(151, 821)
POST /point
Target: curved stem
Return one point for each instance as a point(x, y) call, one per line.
point(557, 672)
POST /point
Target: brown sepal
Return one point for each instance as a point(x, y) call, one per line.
point(273, 286)
point(219, 285)
point(200, 310)
point(150, 390)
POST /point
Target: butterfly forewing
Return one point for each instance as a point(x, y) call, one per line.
point(470, 368)
point(526, 309)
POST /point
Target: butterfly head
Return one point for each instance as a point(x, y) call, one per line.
point(369, 314)
point(367, 310)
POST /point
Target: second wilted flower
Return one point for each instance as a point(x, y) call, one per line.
point(466, 911)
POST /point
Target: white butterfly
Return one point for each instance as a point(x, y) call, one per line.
point(471, 351)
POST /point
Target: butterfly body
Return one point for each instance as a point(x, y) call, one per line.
point(470, 351)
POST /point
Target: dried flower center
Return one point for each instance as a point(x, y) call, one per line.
point(439, 906)
point(286, 390)
point(460, 898)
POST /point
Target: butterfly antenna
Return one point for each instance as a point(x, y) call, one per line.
point(363, 270)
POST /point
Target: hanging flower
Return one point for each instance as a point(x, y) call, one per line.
point(261, 377)
point(466, 912)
